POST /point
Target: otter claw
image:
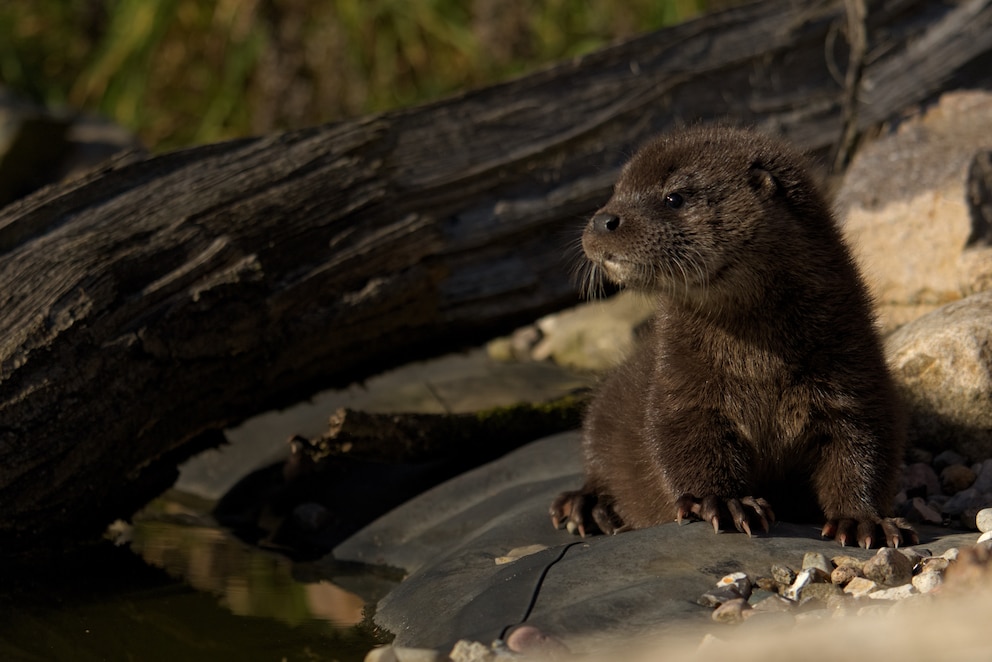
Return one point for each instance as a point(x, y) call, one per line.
point(891, 531)
point(742, 512)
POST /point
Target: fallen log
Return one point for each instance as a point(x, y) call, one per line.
point(159, 300)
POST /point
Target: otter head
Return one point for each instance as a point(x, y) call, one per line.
point(701, 214)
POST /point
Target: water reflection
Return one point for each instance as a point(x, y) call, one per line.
point(178, 588)
point(248, 581)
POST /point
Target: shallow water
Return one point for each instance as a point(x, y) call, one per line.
point(180, 588)
point(176, 589)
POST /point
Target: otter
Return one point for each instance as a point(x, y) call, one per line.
point(760, 380)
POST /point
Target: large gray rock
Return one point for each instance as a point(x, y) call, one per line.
point(916, 207)
point(588, 592)
point(942, 364)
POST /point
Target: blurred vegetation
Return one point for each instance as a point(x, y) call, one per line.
point(180, 72)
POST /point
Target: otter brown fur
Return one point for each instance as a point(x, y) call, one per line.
point(761, 380)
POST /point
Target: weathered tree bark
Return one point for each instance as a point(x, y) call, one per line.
point(160, 299)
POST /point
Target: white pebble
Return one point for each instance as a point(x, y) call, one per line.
point(984, 520)
point(897, 593)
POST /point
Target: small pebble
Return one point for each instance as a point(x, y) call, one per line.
point(767, 584)
point(888, 567)
point(719, 596)
point(731, 611)
point(955, 478)
point(912, 554)
point(471, 651)
point(946, 458)
point(773, 603)
point(985, 537)
point(859, 587)
point(894, 593)
point(927, 581)
point(783, 574)
point(951, 554)
point(818, 592)
point(983, 520)
point(738, 580)
point(804, 579)
point(934, 564)
point(843, 574)
point(529, 640)
point(918, 510)
point(845, 560)
point(817, 560)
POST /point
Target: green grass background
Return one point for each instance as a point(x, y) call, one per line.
point(181, 72)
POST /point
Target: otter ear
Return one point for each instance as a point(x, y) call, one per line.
point(763, 180)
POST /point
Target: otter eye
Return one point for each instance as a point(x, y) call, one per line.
point(674, 200)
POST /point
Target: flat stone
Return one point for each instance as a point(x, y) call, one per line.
point(601, 590)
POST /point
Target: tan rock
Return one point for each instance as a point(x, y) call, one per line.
point(943, 369)
point(912, 204)
point(860, 587)
point(888, 567)
point(595, 335)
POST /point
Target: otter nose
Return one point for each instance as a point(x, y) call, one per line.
point(605, 222)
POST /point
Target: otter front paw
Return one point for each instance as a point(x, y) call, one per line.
point(583, 511)
point(894, 531)
point(743, 512)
